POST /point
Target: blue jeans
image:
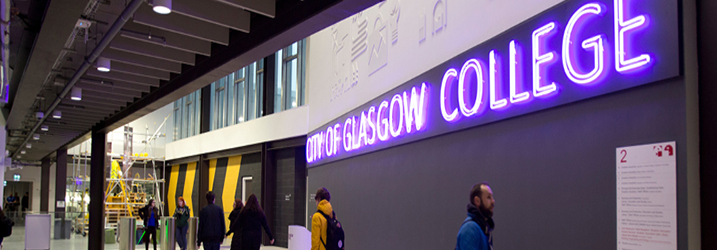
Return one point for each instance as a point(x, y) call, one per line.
point(211, 246)
point(180, 235)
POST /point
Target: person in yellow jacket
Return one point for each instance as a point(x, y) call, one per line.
point(318, 222)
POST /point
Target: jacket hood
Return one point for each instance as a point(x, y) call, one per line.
point(325, 207)
point(486, 224)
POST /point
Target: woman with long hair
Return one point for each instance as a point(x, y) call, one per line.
point(234, 224)
point(150, 216)
point(182, 217)
point(252, 219)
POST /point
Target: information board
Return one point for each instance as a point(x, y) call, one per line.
point(647, 197)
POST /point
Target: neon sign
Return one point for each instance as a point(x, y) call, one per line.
point(567, 58)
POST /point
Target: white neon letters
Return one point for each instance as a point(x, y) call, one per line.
point(382, 122)
point(446, 84)
point(622, 27)
point(516, 80)
point(495, 81)
point(414, 108)
point(475, 65)
point(594, 43)
point(396, 127)
point(542, 59)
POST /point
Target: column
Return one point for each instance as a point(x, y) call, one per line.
point(45, 185)
point(97, 180)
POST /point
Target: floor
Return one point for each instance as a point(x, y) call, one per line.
point(77, 242)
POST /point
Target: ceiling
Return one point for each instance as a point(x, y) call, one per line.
point(155, 59)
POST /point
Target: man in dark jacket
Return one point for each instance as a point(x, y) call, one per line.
point(475, 233)
point(211, 225)
point(26, 201)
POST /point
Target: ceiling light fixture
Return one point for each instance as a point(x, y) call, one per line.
point(23, 152)
point(36, 137)
point(76, 94)
point(162, 6)
point(57, 114)
point(28, 145)
point(45, 128)
point(103, 64)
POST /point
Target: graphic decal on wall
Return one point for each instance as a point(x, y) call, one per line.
point(184, 182)
point(576, 50)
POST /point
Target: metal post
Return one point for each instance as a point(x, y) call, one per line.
point(192, 233)
point(166, 236)
point(127, 233)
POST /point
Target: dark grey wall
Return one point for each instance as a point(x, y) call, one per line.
point(552, 172)
point(290, 193)
point(250, 166)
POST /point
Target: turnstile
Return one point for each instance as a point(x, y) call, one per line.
point(192, 233)
point(166, 237)
point(128, 233)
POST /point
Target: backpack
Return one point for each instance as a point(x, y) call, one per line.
point(6, 227)
point(334, 233)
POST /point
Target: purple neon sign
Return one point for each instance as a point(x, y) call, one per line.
point(577, 50)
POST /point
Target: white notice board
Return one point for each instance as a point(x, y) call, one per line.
point(647, 197)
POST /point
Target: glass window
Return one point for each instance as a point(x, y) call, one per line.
point(289, 86)
point(186, 116)
point(240, 96)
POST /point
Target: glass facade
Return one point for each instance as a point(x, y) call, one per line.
point(186, 115)
point(290, 77)
point(239, 97)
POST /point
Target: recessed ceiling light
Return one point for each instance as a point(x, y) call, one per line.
point(57, 114)
point(45, 128)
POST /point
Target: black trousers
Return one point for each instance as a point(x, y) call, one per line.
point(153, 232)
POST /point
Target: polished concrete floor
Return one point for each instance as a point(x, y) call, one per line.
point(17, 242)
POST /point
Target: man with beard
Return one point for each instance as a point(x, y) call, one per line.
point(475, 233)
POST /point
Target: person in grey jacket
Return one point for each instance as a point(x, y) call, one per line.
point(211, 225)
point(181, 214)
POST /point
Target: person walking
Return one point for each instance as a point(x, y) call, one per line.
point(211, 225)
point(5, 227)
point(476, 231)
point(234, 225)
point(150, 216)
point(319, 223)
point(252, 219)
point(25, 202)
point(181, 214)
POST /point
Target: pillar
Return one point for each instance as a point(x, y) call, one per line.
point(97, 180)
point(45, 185)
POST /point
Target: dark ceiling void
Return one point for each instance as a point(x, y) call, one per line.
point(154, 60)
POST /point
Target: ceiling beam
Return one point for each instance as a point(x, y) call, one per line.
point(88, 111)
point(140, 71)
point(108, 89)
point(152, 50)
point(106, 96)
point(214, 12)
point(89, 103)
point(263, 7)
point(124, 77)
point(142, 61)
point(183, 25)
point(173, 40)
point(114, 84)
